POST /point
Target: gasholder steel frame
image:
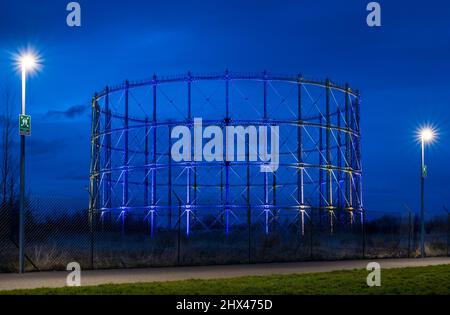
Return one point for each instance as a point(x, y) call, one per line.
point(324, 157)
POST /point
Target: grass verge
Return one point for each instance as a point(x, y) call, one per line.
point(407, 281)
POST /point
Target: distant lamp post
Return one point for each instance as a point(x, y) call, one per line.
point(27, 62)
point(426, 135)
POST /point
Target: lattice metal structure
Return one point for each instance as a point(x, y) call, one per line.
point(132, 172)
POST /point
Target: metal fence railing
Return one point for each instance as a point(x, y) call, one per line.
point(56, 235)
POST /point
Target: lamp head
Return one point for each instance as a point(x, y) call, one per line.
point(427, 135)
point(28, 61)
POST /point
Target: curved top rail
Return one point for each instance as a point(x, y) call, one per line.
point(225, 76)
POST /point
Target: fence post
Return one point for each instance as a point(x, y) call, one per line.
point(179, 228)
point(92, 238)
point(448, 229)
point(409, 233)
point(410, 228)
point(363, 223)
point(179, 234)
point(311, 227)
point(448, 233)
point(249, 209)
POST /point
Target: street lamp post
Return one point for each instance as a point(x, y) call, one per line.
point(27, 63)
point(426, 135)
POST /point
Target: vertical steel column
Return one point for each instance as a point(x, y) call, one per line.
point(94, 153)
point(94, 174)
point(339, 164)
point(274, 202)
point(339, 159)
point(348, 184)
point(359, 167)
point(358, 150)
point(276, 211)
point(194, 201)
point(188, 169)
point(227, 163)
point(146, 162)
point(169, 180)
point(266, 175)
point(194, 187)
point(126, 158)
point(154, 133)
point(222, 202)
point(321, 194)
point(107, 186)
point(329, 185)
point(300, 173)
point(249, 209)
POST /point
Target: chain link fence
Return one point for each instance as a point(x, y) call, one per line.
point(398, 234)
point(56, 234)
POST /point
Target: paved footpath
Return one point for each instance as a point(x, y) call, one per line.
point(56, 279)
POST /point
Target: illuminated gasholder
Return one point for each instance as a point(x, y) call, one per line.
point(319, 174)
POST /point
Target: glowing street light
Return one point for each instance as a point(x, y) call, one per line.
point(426, 135)
point(27, 62)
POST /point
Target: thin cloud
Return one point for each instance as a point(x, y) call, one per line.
point(71, 112)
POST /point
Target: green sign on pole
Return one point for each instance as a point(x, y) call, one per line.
point(25, 125)
point(424, 171)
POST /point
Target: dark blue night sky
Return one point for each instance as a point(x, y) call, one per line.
point(402, 70)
